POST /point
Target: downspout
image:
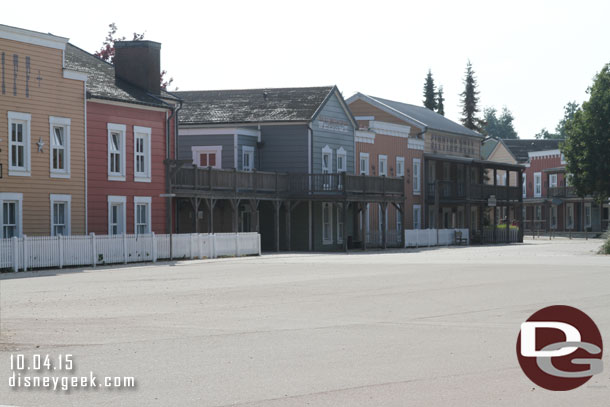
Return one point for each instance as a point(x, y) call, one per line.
point(86, 169)
point(310, 170)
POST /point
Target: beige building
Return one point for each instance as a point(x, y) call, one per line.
point(42, 137)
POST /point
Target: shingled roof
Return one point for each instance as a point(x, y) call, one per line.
point(520, 148)
point(418, 115)
point(102, 83)
point(252, 105)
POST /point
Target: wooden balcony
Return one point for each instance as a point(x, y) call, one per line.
point(562, 192)
point(450, 191)
point(187, 180)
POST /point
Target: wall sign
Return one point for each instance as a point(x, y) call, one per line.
point(336, 125)
point(15, 69)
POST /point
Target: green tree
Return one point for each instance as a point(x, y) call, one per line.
point(429, 92)
point(470, 101)
point(544, 134)
point(499, 126)
point(587, 144)
point(440, 102)
point(560, 130)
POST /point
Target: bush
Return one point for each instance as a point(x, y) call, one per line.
point(605, 249)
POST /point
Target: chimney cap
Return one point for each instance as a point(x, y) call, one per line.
point(140, 43)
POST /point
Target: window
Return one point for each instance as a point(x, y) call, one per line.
point(116, 215)
point(400, 166)
point(141, 154)
point(247, 158)
point(416, 216)
point(553, 217)
point(60, 147)
point(537, 184)
point(538, 212)
point(399, 223)
point(416, 176)
point(60, 214)
point(553, 181)
point(19, 143)
point(570, 220)
point(10, 214)
point(341, 160)
point(587, 215)
point(207, 156)
point(142, 217)
point(327, 159)
point(327, 231)
point(364, 164)
point(339, 223)
point(383, 165)
point(524, 186)
point(116, 152)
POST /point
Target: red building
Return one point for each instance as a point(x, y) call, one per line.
point(130, 132)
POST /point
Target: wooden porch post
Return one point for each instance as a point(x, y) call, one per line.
point(365, 217)
point(384, 223)
point(254, 223)
point(345, 206)
point(235, 209)
point(195, 204)
point(356, 227)
point(276, 209)
point(211, 205)
point(288, 207)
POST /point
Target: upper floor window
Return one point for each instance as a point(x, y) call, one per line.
point(10, 214)
point(142, 215)
point(141, 154)
point(116, 152)
point(416, 176)
point(524, 185)
point(207, 156)
point(327, 159)
point(341, 160)
point(60, 214)
point(537, 184)
point(19, 143)
point(364, 164)
point(247, 159)
point(60, 147)
point(383, 165)
point(552, 180)
point(400, 166)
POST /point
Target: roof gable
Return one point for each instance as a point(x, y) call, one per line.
point(520, 148)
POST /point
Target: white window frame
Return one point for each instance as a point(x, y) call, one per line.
point(588, 215)
point(552, 180)
point(364, 156)
point(122, 129)
point(327, 151)
point(537, 184)
point(142, 200)
point(400, 166)
point(26, 120)
point(524, 186)
point(416, 176)
point(196, 152)
point(382, 158)
point(570, 216)
point(114, 200)
point(327, 239)
point(64, 123)
point(339, 223)
point(341, 153)
point(416, 216)
point(67, 200)
point(247, 151)
point(144, 133)
point(18, 199)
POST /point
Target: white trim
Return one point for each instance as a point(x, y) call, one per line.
point(381, 157)
point(26, 171)
point(339, 221)
point(329, 239)
point(121, 128)
point(544, 154)
point(382, 106)
point(537, 176)
point(196, 152)
point(32, 37)
point(417, 163)
point(343, 154)
point(524, 185)
point(138, 200)
point(65, 123)
point(250, 151)
point(12, 196)
point(401, 160)
point(327, 150)
point(364, 118)
point(77, 76)
point(368, 163)
point(219, 132)
point(415, 144)
point(67, 199)
point(115, 199)
point(129, 105)
point(552, 177)
point(390, 129)
point(146, 134)
point(363, 136)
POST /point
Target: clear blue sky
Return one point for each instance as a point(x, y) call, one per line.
point(531, 56)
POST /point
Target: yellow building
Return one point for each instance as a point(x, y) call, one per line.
point(42, 137)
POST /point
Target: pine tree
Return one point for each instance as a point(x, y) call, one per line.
point(440, 106)
point(470, 100)
point(429, 92)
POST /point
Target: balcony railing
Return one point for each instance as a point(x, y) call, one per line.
point(186, 177)
point(562, 192)
point(450, 190)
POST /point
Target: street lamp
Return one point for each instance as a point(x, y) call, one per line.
point(171, 221)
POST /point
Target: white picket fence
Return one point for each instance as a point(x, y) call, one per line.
point(23, 253)
point(433, 237)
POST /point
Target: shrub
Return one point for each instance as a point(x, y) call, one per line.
point(605, 249)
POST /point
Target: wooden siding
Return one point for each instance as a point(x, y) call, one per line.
point(53, 95)
point(362, 108)
point(225, 140)
point(98, 117)
point(438, 142)
point(284, 148)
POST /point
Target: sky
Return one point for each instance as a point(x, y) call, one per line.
point(531, 56)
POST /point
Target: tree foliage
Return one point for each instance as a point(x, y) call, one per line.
point(440, 102)
point(430, 92)
point(587, 144)
point(107, 51)
point(501, 126)
point(560, 133)
point(470, 101)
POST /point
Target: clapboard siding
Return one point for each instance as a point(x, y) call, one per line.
point(225, 140)
point(284, 149)
point(52, 96)
point(250, 142)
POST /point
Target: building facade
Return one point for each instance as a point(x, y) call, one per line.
point(42, 137)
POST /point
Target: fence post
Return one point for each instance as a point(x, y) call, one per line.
point(124, 248)
point(60, 241)
point(93, 249)
point(26, 253)
point(191, 246)
point(237, 244)
point(153, 240)
point(15, 254)
point(416, 238)
point(213, 246)
point(259, 244)
point(199, 247)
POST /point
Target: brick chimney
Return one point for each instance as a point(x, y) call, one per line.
point(139, 63)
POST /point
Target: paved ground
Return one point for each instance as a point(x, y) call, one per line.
point(412, 328)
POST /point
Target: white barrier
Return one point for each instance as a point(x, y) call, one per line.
point(25, 253)
point(433, 237)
